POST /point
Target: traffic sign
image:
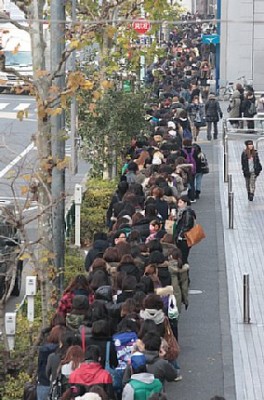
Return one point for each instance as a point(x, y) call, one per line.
point(141, 26)
point(211, 39)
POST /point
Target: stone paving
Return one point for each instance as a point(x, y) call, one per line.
point(244, 252)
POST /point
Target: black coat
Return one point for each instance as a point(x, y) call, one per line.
point(212, 111)
point(185, 223)
point(245, 167)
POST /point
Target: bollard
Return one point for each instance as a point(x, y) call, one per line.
point(246, 311)
point(231, 210)
point(229, 180)
point(225, 168)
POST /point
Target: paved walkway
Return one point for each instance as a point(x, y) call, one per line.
point(244, 251)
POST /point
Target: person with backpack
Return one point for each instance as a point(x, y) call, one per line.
point(213, 113)
point(142, 384)
point(190, 154)
point(249, 110)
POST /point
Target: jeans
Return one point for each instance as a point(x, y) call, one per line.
point(198, 181)
point(43, 392)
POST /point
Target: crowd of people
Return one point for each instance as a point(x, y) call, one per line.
point(115, 332)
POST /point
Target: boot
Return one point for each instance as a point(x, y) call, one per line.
point(251, 196)
point(197, 194)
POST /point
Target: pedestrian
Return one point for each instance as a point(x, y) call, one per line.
point(142, 384)
point(185, 220)
point(249, 110)
point(213, 113)
point(251, 167)
point(234, 108)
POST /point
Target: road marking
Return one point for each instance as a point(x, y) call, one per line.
point(3, 105)
point(16, 160)
point(22, 106)
point(194, 291)
point(12, 115)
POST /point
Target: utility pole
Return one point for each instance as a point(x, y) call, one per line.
point(57, 27)
point(74, 150)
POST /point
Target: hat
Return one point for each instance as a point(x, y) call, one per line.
point(248, 142)
point(80, 302)
point(138, 360)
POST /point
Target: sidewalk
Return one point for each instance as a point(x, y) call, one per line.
point(244, 250)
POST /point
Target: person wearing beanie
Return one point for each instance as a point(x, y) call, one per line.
point(142, 384)
point(251, 167)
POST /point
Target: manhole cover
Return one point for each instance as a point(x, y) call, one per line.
point(193, 291)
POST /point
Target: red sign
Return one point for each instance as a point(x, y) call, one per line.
point(141, 26)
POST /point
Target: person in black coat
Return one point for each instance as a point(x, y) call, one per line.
point(249, 109)
point(184, 222)
point(101, 334)
point(100, 244)
point(251, 167)
point(213, 113)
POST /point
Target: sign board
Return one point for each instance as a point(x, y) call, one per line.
point(211, 39)
point(141, 26)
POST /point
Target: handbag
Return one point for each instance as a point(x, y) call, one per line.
point(173, 345)
point(116, 373)
point(169, 226)
point(204, 164)
point(173, 312)
point(194, 235)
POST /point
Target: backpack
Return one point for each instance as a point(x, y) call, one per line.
point(58, 386)
point(190, 159)
point(124, 345)
point(186, 134)
point(252, 109)
point(142, 391)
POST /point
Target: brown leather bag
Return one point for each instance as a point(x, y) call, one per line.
point(195, 235)
point(173, 345)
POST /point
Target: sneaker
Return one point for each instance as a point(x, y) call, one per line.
point(179, 378)
point(193, 201)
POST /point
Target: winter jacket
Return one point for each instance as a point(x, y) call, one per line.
point(246, 105)
point(141, 387)
point(44, 351)
point(184, 224)
point(160, 368)
point(245, 167)
point(179, 281)
point(101, 342)
point(213, 111)
point(234, 105)
point(91, 373)
point(98, 249)
point(129, 269)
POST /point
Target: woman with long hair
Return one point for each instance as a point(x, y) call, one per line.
point(78, 286)
point(251, 167)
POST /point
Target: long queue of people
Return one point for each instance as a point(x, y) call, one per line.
point(115, 332)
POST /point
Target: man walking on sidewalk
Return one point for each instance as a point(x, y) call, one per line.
point(213, 113)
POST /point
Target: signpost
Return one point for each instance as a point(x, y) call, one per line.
point(211, 39)
point(141, 26)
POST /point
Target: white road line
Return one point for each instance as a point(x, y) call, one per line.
point(16, 160)
point(22, 106)
point(3, 105)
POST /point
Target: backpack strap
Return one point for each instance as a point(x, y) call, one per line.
point(107, 357)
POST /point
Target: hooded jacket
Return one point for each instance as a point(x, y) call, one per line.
point(160, 368)
point(141, 387)
point(92, 373)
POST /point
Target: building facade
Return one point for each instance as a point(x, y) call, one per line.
point(242, 42)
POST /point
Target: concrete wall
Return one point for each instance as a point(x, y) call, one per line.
point(242, 41)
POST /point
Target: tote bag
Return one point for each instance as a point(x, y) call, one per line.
point(194, 235)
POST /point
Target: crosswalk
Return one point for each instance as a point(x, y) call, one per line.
point(15, 107)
